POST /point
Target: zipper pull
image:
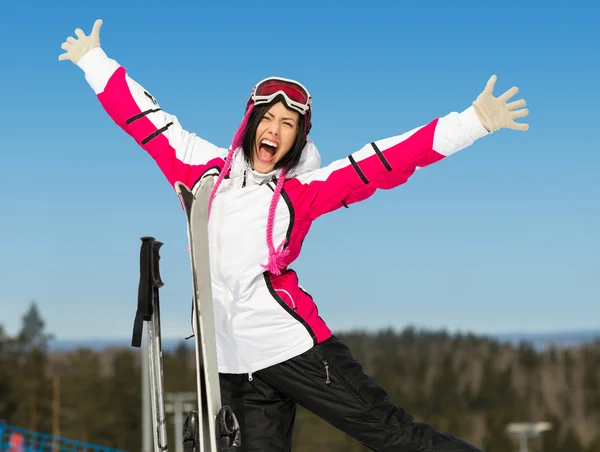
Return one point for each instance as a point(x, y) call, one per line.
point(244, 182)
point(326, 364)
point(250, 376)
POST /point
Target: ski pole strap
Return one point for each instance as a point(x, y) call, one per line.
point(150, 282)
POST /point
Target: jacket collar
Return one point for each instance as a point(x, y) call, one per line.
point(309, 161)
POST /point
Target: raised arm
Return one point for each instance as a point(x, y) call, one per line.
point(390, 162)
point(181, 155)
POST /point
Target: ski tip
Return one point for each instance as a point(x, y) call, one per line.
point(180, 187)
point(207, 182)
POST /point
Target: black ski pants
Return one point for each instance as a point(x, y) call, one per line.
point(330, 383)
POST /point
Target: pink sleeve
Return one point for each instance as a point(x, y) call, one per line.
point(386, 163)
point(182, 156)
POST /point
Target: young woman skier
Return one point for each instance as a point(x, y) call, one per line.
point(274, 350)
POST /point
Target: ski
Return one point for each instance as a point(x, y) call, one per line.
point(212, 428)
point(148, 310)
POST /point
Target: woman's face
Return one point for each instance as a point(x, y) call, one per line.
point(275, 136)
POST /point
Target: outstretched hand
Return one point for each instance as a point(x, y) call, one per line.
point(76, 48)
point(495, 113)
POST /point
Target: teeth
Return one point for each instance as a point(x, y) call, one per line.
point(269, 143)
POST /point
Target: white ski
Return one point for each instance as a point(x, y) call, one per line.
point(212, 428)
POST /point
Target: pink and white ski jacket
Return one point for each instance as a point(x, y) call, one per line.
point(262, 319)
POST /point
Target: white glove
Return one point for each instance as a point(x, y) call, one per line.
point(76, 48)
point(494, 113)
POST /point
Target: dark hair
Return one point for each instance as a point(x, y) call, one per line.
point(292, 158)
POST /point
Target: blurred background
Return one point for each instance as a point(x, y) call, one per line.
point(471, 293)
point(486, 389)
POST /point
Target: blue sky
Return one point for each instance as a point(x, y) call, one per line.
point(503, 236)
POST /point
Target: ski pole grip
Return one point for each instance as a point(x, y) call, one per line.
point(150, 282)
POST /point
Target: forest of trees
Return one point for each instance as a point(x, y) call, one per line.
point(469, 386)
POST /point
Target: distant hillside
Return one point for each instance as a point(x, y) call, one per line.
point(558, 339)
point(538, 341)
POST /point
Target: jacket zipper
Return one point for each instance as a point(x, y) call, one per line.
point(250, 378)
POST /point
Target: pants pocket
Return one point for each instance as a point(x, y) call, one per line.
point(340, 367)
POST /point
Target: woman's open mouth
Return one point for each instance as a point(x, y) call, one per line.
point(267, 150)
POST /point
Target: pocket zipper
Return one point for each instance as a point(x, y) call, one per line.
point(343, 381)
point(326, 364)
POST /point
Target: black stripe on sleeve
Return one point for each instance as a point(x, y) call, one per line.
point(381, 157)
point(141, 115)
point(157, 133)
point(358, 170)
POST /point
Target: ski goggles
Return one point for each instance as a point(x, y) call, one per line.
point(296, 96)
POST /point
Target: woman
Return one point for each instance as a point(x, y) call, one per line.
point(274, 351)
